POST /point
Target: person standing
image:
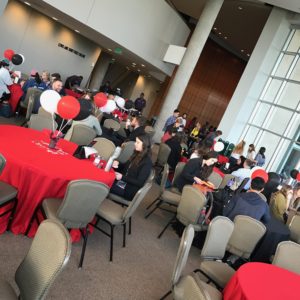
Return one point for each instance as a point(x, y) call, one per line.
point(260, 157)
point(5, 79)
point(140, 103)
point(171, 120)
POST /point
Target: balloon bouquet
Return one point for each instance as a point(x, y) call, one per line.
point(16, 59)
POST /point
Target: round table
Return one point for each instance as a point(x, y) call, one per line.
point(39, 172)
point(255, 281)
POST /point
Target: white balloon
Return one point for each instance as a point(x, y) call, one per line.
point(218, 146)
point(120, 102)
point(109, 107)
point(49, 100)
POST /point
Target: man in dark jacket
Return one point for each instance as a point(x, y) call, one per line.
point(250, 203)
point(138, 125)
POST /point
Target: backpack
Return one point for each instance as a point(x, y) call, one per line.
point(5, 110)
point(222, 199)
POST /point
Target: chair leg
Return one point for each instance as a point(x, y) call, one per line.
point(84, 234)
point(129, 231)
point(12, 215)
point(165, 295)
point(156, 206)
point(112, 227)
point(151, 203)
point(165, 228)
point(124, 235)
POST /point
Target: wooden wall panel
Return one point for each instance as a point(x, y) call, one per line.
point(211, 86)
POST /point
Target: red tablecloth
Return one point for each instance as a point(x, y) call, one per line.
point(38, 172)
point(223, 159)
point(259, 281)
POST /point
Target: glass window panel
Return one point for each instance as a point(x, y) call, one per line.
point(261, 114)
point(272, 90)
point(294, 127)
point(284, 65)
point(295, 42)
point(290, 95)
point(279, 119)
point(296, 72)
point(270, 142)
point(251, 135)
point(283, 153)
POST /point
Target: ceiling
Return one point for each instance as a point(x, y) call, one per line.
point(237, 27)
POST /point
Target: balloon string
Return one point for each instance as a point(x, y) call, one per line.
point(53, 129)
point(62, 122)
point(68, 122)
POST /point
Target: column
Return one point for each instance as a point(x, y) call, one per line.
point(188, 63)
point(99, 70)
point(3, 4)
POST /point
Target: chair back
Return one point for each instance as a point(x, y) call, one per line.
point(39, 122)
point(163, 154)
point(82, 135)
point(295, 229)
point(164, 177)
point(263, 197)
point(111, 124)
point(246, 234)
point(136, 201)
point(127, 151)
point(151, 176)
point(217, 237)
point(104, 147)
point(31, 92)
point(122, 131)
point(30, 106)
point(287, 256)
point(81, 202)
point(225, 180)
point(183, 253)
point(150, 131)
point(48, 255)
point(178, 171)
point(44, 113)
point(190, 205)
point(242, 185)
point(2, 163)
point(216, 179)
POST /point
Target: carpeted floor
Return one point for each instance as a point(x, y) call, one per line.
point(142, 270)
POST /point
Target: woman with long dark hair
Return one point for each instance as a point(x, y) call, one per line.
point(260, 157)
point(132, 175)
point(197, 170)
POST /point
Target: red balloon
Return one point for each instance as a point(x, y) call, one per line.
point(298, 177)
point(68, 107)
point(260, 173)
point(100, 99)
point(9, 53)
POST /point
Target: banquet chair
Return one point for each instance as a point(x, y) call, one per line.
point(122, 131)
point(287, 256)
point(242, 185)
point(213, 251)
point(127, 151)
point(124, 202)
point(78, 208)
point(42, 112)
point(116, 215)
point(40, 123)
point(189, 209)
point(111, 124)
point(215, 179)
point(170, 196)
point(29, 110)
point(48, 255)
point(104, 147)
point(82, 135)
point(188, 286)
point(263, 197)
point(295, 229)
point(163, 155)
point(226, 179)
point(8, 195)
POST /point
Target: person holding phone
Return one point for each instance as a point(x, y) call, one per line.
point(132, 175)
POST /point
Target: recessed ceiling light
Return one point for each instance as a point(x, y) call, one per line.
point(76, 30)
point(242, 50)
point(220, 33)
point(248, 54)
point(143, 65)
point(215, 28)
point(109, 49)
point(225, 37)
point(127, 68)
point(55, 19)
point(27, 3)
point(113, 59)
point(240, 7)
point(134, 63)
point(149, 76)
point(138, 70)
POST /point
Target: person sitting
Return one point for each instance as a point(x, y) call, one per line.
point(73, 81)
point(280, 201)
point(132, 175)
point(237, 153)
point(194, 135)
point(250, 203)
point(138, 125)
point(33, 82)
point(171, 120)
point(244, 172)
point(197, 170)
point(45, 82)
point(260, 157)
point(212, 136)
point(175, 145)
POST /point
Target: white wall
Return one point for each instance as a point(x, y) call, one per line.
point(36, 37)
point(144, 27)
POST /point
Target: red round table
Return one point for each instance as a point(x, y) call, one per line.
point(38, 172)
point(259, 281)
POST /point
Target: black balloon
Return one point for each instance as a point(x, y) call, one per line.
point(294, 173)
point(129, 104)
point(17, 59)
point(86, 108)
